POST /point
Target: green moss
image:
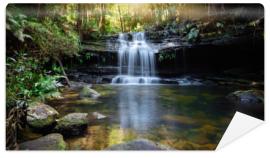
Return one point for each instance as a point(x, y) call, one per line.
point(61, 145)
point(85, 92)
point(41, 123)
point(70, 122)
point(65, 123)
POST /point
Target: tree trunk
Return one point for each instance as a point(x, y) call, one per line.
point(208, 10)
point(102, 18)
point(79, 20)
point(63, 70)
point(121, 21)
point(38, 11)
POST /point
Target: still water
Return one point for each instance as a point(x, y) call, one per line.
point(178, 117)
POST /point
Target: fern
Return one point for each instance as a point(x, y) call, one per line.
point(16, 23)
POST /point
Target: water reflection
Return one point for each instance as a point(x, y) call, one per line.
point(138, 113)
point(179, 117)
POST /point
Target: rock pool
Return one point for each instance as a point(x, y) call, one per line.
point(179, 117)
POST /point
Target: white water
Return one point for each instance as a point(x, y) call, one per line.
point(136, 60)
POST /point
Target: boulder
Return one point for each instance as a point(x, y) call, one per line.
point(250, 102)
point(88, 92)
point(72, 124)
point(52, 141)
point(96, 116)
point(41, 116)
point(78, 85)
point(247, 97)
point(139, 144)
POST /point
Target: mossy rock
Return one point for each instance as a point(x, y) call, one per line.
point(104, 91)
point(72, 124)
point(52, 141)
point(88, 92)
point(41, 116)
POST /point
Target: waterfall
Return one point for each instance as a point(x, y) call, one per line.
point(136, 60)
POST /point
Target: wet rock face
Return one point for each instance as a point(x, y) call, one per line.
point(72, 124)
point(52, 141)
point(41, 116)
point(139, 144)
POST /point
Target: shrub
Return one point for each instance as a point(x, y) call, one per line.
point(26, 80)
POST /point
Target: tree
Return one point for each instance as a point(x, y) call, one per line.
point(120, 17)
point(102, 20)
point(79, 19)
point(52, 42)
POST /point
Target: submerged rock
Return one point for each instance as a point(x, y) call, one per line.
point(40, 116)
point(52, 141)
point(247, 97)
point(139, 144)
point(88, 92)
point(72, 124)
point(185, 120)
point(186, 81)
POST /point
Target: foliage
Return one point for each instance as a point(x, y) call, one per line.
point(16, 23)
point(220, 25)
point(193, 34)
point(88, 55)
point(51, 40)
point(138, 28)
point(166, 56)
point(27, 76)
point(26, 79)
point(56, 69)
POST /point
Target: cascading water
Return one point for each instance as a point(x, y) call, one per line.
point(136, 61)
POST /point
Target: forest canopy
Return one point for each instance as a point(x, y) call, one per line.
point(114, 18)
